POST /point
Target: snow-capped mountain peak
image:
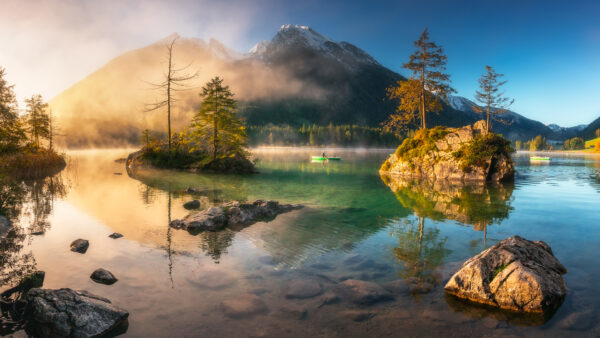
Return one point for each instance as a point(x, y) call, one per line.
point(298, 38)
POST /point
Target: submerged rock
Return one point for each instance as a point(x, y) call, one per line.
point(244, 305)
point(303, 288)
point(115, 235)
point(69, 313)
point(357, 316)
point(5, 226)
point(464, 154)
point(514, 274)
point(212, 279)
point(80, 245)
point(195, 204)
point(361, 292)
point(103, 276)
point(232, 214)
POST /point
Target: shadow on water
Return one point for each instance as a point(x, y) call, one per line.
point(27, 204)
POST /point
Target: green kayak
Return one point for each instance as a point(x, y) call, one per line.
point(321, 158)
point(539, 158)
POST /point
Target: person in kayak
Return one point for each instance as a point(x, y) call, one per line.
point(324, 155)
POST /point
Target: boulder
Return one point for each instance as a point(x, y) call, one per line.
point(5, 226)
point(515, 274)
point(115, 235)
point(232, 214)
point(195, 204)
point(244, 305)
point(69, 313)
point(303, 288)
point(362, 292)
point(80, 245)
point(103, 276)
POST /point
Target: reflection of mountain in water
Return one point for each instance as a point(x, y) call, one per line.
point(475, 205)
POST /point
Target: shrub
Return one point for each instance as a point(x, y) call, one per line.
point(421, 144)
point(481, 149)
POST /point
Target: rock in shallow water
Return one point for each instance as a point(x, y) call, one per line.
point(80, 245)
point(243, 306)
point(232, 214)
point(514, 274)
point(361, 292)
point(115, 235)
point(303, 288)
point(195, 204)
point(69, 313)
point(103, 276)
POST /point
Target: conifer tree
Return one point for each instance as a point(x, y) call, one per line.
point(493, 100)
point(37, 119)
point(421, 93)
point(216, 123)
point(12, 132)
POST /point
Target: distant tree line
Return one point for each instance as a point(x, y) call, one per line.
point(313, 135)
point(575, 143)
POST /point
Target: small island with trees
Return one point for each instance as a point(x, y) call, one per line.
point(467, 154)
point(27, 141)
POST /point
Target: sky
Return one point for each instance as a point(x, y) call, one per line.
point(549, 51)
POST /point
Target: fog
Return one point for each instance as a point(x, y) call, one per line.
point(107, 108)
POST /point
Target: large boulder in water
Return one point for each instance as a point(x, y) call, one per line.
point(466, 154)
point(514, 274)
point(69, 313)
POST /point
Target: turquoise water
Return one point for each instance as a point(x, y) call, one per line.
point(354, 225)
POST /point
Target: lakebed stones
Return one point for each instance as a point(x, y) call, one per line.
point(244, 305)
point(70, 313)
point(212, 279)
point(232, 214)
point(514, 274)
point(303, 288)
point(439, 159)
point(362, 292)
point(103, 276)
point(80, 245)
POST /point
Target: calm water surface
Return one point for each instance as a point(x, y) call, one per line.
point(355, 225)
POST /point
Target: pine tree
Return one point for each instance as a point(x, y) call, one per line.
point(421, 93)
point(12, 133)
point(493, 100)
point(216, 122)
point(37, 119)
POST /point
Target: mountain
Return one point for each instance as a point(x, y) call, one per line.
point(589, 132)
point(298, 77)
point(519, 127)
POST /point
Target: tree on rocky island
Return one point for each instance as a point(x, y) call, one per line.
point(176, 79)
point(37, 119)
point(12, 133)
point(493, 100)
point(421, 93)
point(216, 124)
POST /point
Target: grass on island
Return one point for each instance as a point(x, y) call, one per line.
point(592, 145)
point(32, 163)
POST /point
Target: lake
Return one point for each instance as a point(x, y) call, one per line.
point(354, 225)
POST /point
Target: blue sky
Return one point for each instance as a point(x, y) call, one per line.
point(548, 50)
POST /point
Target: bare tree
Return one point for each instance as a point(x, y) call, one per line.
point(174, 80)
point(493, 100)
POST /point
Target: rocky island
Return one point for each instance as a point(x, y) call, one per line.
point(466, 154)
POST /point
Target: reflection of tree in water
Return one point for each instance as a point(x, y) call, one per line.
point(476, 205)
point(419, 249)
point(215, 243)
point(28, 205)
